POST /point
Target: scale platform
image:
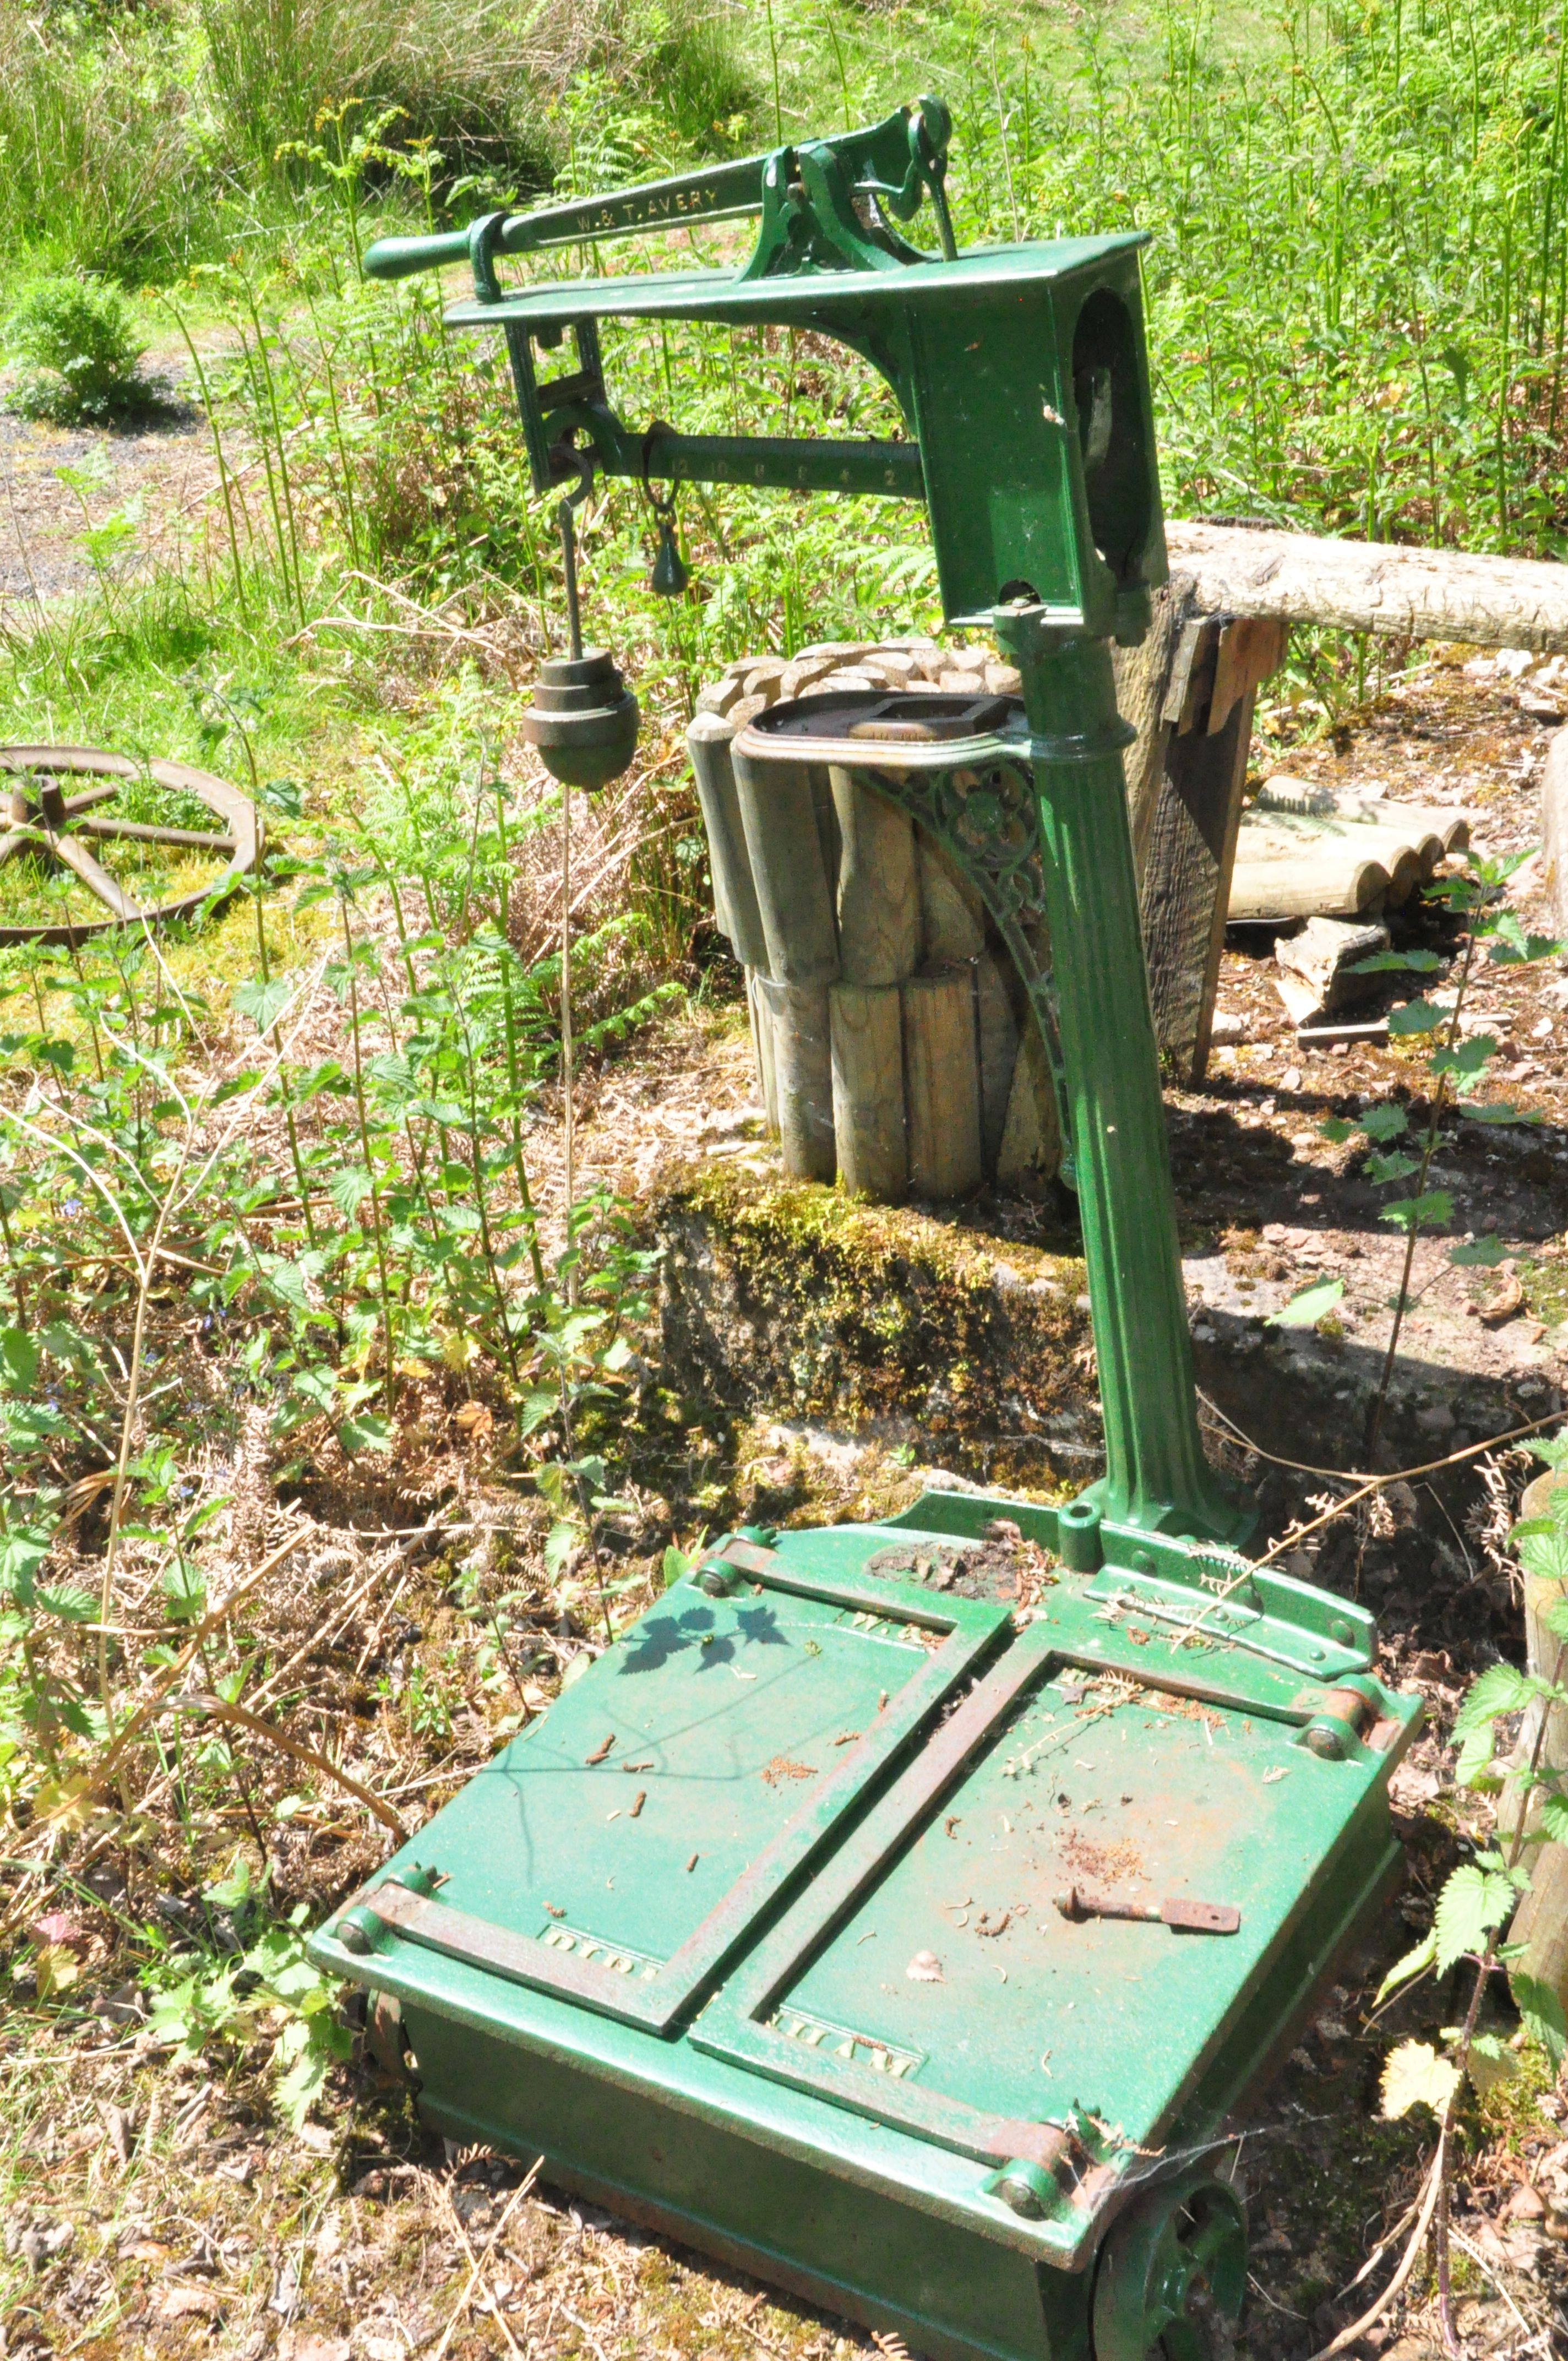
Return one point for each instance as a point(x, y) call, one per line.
point(781, 1932)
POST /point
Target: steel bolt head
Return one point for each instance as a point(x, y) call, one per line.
point(1015, 2192)
point(1325, 1741)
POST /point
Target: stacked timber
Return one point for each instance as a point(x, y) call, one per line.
point(894, 1044)
point(1304, 850)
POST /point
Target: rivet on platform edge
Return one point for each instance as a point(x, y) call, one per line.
point(1341, 1631)
point(1023, 2187)
point(357, 1930)
point(1326, 1741)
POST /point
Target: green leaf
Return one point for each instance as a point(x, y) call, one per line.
point(1384, 1122)
point(1415, 2076)
point(1334, 1128)
point(263, 1001)
point(70, 1347)
point(369, 1432)
point(1381, 962)
point(23, 1549)
point(536, 1408)
point(1478, 1253)
point(1552, 1448)
point(185, 1591)
point(1555, 1817)
point(1501, 1689)
point(1304, 1311)
point(1424, 1212)
point(348, 1188)
point(1469, 1060)
point(1475, 1760)
point(1490, 2062)
point(565, 1535)
point(1545, 1556)
point(71, 1606)
point(677, 1564)
point(1495, 1111)
point(1414, 1963)
point(18, 1360)
point(1397, 1167)
point(1541, 2010)
point(1510, 946)
point(1416, 1017)
point(1471, 1905)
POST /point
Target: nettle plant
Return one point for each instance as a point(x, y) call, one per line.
point(1395, 1151)
point(1479, 1897)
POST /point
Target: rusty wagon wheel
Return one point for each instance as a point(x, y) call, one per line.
point(40, 818)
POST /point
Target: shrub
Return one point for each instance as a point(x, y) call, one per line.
point(77, 337)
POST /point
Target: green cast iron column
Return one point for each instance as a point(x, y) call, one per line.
point(1157, 1475)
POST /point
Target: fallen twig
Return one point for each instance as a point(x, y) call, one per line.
point(200, 1701)
point(204, 1630)
point(475, 2264)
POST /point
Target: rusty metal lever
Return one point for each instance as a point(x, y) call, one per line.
point(1186, 1918)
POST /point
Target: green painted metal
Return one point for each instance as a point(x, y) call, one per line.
point(754, 1937)
point(1019, 370)
point(736, 2051)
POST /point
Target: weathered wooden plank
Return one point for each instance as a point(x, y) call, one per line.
point(1187, 882)
point(868, 1089)
point(762, 1048)
point(879, 889)
point(941, 1073)
point(778, 817)
point(996, 1022)
point(734, 894)
point(1031, 1142)
point(1142, 682)
point(953, 915)
point(803, 1076)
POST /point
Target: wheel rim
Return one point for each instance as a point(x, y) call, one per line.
point(37, 814)
point(1186, 2240)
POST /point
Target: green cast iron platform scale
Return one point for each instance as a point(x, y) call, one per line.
point(897, 1911)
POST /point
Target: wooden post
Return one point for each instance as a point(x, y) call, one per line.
point(942, 1083)
point(868, 1089)
point(951, 909)
point(1143, 681)
point(996, 1024)
point(879, 894)
point(778, 815)
point(1189, 811)
point(1030, 1152)
point(762, 1048)
point(734, 894)
point(803, 1076)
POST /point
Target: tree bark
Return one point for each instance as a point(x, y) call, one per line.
point(1418, 594)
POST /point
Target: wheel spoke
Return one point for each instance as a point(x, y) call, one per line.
point(71, 805)
point(196, 840)
point(91, 873)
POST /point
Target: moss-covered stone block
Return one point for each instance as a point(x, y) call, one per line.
point(878, 1318)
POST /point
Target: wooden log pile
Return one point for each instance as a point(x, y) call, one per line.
point(894, 1043)
point(1303, 851)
